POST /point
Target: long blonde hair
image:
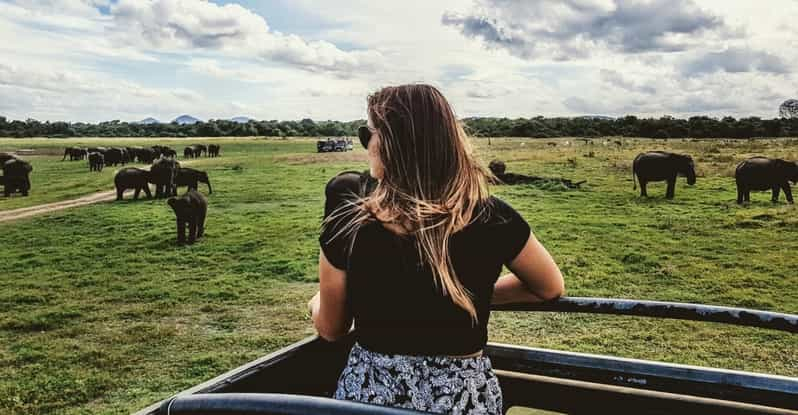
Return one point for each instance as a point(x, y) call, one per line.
point(432, 183)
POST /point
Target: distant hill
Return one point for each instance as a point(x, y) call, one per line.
point(595, 117)
point(186, 119)
point(148, 120)
point(241, 120)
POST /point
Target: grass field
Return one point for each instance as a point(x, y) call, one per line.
point(100, 312)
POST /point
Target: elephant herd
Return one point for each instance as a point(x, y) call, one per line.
point(100, 157)
point(755, 173)
point(197, 150)
point(16, 174)
point(165, 173)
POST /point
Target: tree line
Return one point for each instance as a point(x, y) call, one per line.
point(537, 127)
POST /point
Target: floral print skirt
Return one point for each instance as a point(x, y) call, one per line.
point(438, 384)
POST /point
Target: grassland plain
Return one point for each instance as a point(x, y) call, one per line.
point(101, 313)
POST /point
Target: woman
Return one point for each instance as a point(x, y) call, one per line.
point(415, 260)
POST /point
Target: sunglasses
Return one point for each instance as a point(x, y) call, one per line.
point(364, 134)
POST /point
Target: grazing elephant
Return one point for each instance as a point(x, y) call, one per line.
point(162, 175)
point(16, 176)
point(191, 177)
point(213, 150)
point(132, 153)
point(132, 178)
point(146, 155)
point(114, 156)
point(190, 209)
point(659, 165)
point(188, 153)
point(199, 149)
point(96, 161)
point(762, 173)
point(169, 153)
point(74, 153)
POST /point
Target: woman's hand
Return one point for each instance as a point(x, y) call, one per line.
point(313, 304)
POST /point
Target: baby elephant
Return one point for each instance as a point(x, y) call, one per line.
point(190, 210)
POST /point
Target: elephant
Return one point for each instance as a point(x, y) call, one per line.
point(655, 166)
point(192, 177)
point(762, 173)
point(188, 152)
point(497, 167)
point(146, 155)
point(132, 153)
point(101, 150)
point(16, 176)
point(114, 156)
point(162, 175)
point(164, 151)
point(74, 153)
point(199, 149)
point(132, 178)
point(4, 157)
point(190, 209)
point(213, 150)
point(96, 161)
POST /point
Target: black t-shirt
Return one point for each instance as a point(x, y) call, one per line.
point(396, 306)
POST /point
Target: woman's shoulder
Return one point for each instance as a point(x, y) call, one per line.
point(497, 211)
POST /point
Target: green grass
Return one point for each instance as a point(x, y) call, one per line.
point(101, 313)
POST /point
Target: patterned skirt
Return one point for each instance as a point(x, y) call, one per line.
point(438, 384)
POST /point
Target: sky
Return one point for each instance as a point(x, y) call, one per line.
point(98, 60)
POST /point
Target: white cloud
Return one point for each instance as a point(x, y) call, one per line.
point(177, 25)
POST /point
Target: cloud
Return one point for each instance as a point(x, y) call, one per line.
point(181, 25)
point(55, 94)
point(568, 29)
point(736, 60)
point(616, 79)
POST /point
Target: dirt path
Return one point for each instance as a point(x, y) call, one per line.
point(22, 213)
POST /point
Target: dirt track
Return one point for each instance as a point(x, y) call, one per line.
point(22, 213)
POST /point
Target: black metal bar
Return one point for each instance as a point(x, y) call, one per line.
point(663, 309)
point(745, 387)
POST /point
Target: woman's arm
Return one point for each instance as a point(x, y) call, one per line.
point(535, 277)
point(328, 307)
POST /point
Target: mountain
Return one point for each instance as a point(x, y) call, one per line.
point(595, 117)
point(241, 120)
point(186, 119)
point(148, 120)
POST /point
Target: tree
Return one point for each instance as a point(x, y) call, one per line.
point(789, 109)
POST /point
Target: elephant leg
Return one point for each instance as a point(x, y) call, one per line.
point(740, 193)
point(181, 231)
point(788, 192)
point(643, 191)
point(26, 186)
point(747, 196)
point(201, 225)
point(147, 191)
point(775, 197)
point(671, 188)
point(136, 193)
point(7, 190)
point(192, 230)
point(119, 192)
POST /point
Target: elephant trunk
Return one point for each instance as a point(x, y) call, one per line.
point(208, 182)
